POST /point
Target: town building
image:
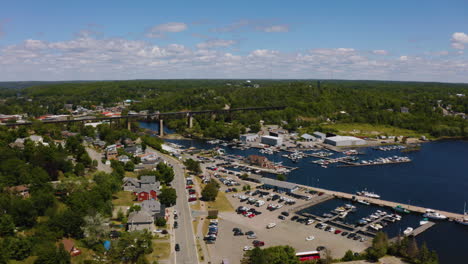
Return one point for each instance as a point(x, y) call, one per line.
point(308, 137)
point(344, 141)
point(139, 220)
point(277, 185)
point(248, 137)
point(259, 161)
point(271, 140)
point(320, 135)
point(154, 208)
point(145, 188)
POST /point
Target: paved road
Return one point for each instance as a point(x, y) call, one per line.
point(184, 233)
point(94, 155)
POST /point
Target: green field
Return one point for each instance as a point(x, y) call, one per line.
point(369, 130)
point(123, 198)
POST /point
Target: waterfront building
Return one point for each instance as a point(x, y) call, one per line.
point(248, 137)
point(272, 141)
point(344, 141)
point(320, 135)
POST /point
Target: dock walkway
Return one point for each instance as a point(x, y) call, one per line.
point(312, 202)
point(382, 203)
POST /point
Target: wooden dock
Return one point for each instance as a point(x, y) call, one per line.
point(312, 202)
point(383, 203)
point(419, 230)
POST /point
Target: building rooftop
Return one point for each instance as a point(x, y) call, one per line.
point(280, 184)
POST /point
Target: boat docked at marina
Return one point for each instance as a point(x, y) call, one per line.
point(424, 221)
point(363, 202)
point(434, 215)
point(401, 209)
point(408, 231)
point(368, 194)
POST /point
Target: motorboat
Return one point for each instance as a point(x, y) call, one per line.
point(408, 231)
point(434, 215)
point(340, 209)
point(363, 202)
point(401, 209)
point(424, 221)
point(369, 194)
point(343, 214)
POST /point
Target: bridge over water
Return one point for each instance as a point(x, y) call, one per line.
point(157, 116)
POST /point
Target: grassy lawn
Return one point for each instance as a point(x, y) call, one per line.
point(131, 174)
point(161, 250)
point(369, 130)
point(221, 204)
point(123, 198)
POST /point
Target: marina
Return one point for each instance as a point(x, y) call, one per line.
point(436, 178)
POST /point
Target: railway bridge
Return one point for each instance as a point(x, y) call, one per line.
point(156, 116)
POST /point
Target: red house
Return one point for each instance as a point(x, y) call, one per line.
point(145, 195)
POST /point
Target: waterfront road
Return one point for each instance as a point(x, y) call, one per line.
point(184, 235)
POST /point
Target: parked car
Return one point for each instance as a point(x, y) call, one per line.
point(281, 217)
point(258, 243)
point(176, 224)
point(285, 213)
point(177, 247)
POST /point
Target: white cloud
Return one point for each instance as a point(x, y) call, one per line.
point(171, 27)
point(215, 43)
point(459, 39)
point(276, 28)
point(380, 52)
point(89, 57)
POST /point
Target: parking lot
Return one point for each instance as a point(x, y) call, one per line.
point(285, 232)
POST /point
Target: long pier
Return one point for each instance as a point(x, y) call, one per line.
point(384, 203)
point(312, 202)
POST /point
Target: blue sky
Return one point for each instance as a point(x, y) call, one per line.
point(391, 40)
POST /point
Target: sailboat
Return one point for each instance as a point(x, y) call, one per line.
point(464, 219)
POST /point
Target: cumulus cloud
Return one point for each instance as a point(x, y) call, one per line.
point(380, 52)
point(171, 27)
point(89, 57)
point(215, 43)
point(459, 40)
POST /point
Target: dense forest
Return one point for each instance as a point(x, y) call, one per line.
point(309, 103)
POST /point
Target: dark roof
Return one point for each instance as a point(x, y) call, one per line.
point(68, 244)
point(148, 179)
point(139, 217)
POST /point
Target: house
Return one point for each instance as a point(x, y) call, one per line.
point(19, 143)
point(154, 208)
point(20, 190)
point(404, 109)
point(146, 188)
point(260, 161)
point(139, 220)
point(134, 150)
point(123, 158)
point(69, 246)
point(38, 140)
point(111, 154)
point(130, 184)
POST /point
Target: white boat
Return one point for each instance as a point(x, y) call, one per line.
point(343, 214)
point(363, 202)
point(424, 221)
point(369, 194)
point(434, 215)
point(408, 231)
